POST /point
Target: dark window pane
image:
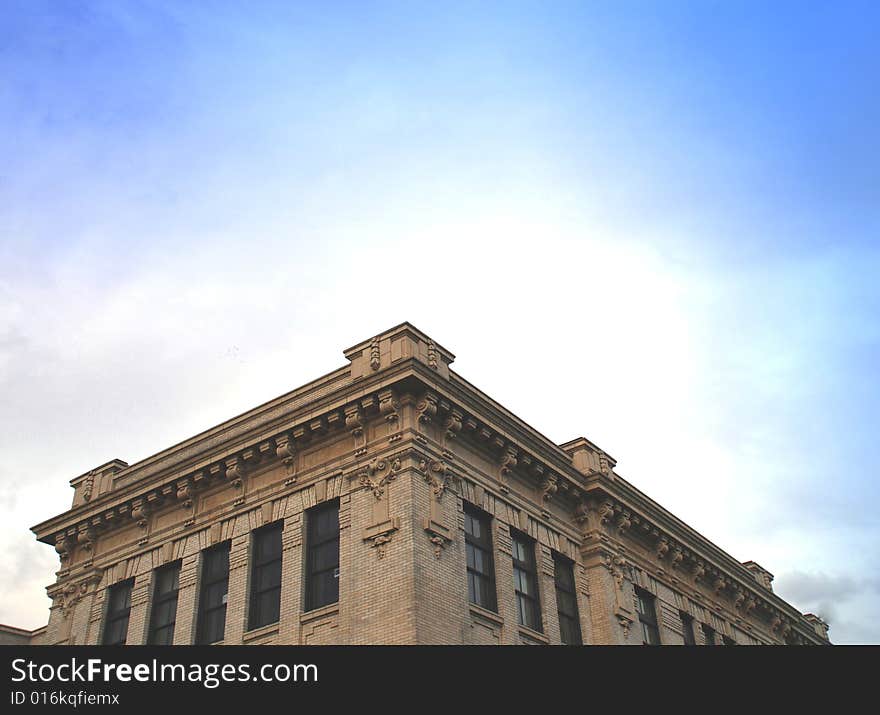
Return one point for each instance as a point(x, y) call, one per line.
point(265, 596)
point(525, 581)
point(118, 610)
point(647, 617)
point(708, 634)
point(566, 601)
point(163, 611)
point(322, 567)
point(687, 627)
point(478, 548)
point(213, 594)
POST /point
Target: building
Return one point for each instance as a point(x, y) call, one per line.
point(391, 501)
point(10, 635)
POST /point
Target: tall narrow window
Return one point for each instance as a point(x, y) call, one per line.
point(647, 617)
point(212, 598)
point(525, 582)
point(480, 568)
point(163, 613)
point(727, 640)
point(118, 609)
point(566, 600)
point(266, 576)
point(322, 577)
point(687, 628)
point(709, 634)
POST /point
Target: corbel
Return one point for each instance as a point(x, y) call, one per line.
point(624, 520)
point(549, 487)
point(508, 463)
point(286, 452)
point(184, 494)
point(140, 512)
point(235, 475)
point(388, 409)
point(85, 536)
point(427, 408)
point(452, 425)
point(354, 423)
point(677, 557)
point(662, 548)
point(63, 546)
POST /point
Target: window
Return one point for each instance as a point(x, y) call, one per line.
point(322, 575)
point(566, 601)
point(525, 582)
point(212, 599)
point(687, 629)
point(727, 640)
point(480, 569)
point(265, 576)
point(647, 617)
point(709, 634)
point(118, 609)
point(163, 613)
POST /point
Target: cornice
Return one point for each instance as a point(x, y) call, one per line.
point(225, 450)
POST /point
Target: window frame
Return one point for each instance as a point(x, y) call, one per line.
point(687, 628)
point(114, 616)
point(567, 566)
point(526, 604)
point(202, 638)
point(260, 566)
point(649, 621)
point(162, 598)
point(709, 634)
point(484, 545)
point(313, 543)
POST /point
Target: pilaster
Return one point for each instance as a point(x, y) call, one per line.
point(187, 600)
point(138, 617)
point(237, 601)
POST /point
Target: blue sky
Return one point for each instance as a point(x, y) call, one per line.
point(654, 224)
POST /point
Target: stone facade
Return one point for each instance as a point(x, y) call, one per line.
point(402, 443)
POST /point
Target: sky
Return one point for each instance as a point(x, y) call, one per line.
point(656, 225)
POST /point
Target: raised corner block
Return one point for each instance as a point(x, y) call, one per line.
point(394, 346)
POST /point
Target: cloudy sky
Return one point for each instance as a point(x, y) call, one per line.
point(653, 224)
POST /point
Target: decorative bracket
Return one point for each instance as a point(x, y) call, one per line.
point(439, 536)
point(379, 535)
point(286, 452)
point(427, 408)
point(508, 464)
